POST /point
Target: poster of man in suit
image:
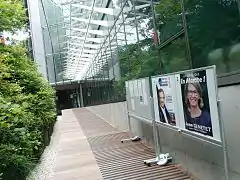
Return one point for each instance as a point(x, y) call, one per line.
point(165, 100)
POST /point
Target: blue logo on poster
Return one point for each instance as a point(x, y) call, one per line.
point(163, 81)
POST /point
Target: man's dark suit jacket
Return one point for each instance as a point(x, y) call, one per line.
point(162, 118)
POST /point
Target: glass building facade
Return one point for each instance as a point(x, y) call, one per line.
point(102, 43)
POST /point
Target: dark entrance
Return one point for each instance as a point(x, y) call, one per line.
point(63, 100)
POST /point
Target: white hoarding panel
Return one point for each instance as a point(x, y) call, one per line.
point(135, 87)
point(130, 86)
point(144, 89)
point(212, 95)
point(140, 91)
point(126, 84)
point(133, 105)
point(138, 95)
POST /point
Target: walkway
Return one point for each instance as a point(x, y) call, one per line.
point(88, 148)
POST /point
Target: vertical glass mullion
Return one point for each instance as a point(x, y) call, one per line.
point(186, 34)
point(158, 59)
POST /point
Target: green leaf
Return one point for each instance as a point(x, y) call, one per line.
point(23, 129)
point(15, 106)
point(25, 104)
point(15, 118)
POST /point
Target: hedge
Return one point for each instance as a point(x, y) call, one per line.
point(27, 113)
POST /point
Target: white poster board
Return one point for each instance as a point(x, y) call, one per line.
point(138, 89)
point(130, 88)
point(138, 98)
point(188, 100)
point(135, 87)
point(144, 91)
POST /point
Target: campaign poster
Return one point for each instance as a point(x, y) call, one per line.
point(195, 101)
point(165, 100)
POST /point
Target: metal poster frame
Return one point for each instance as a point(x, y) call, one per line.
point(157, 139)
point(199, 137)
point(127, 98)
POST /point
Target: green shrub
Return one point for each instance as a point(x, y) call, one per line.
point(27, 112)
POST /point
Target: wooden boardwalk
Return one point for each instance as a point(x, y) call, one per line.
point(90, 149)
point(75, 159)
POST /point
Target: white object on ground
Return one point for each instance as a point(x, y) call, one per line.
point(162, 159)
point(135, 138)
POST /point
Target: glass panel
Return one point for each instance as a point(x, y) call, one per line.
point(51, 68)
point(214, 33)
point(138, 58)
point(173, 56)
point(143, 12)
point(58, 67)
point(168, 18)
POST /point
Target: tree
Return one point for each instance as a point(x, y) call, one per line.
point(12, 15)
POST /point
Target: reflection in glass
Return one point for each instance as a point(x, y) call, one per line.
point(168, 18)
point(173, 56)
point(214, 33)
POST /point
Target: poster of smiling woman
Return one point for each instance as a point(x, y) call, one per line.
point(195, 101)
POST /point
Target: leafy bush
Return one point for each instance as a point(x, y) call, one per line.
point(27, 112)
point(12, 15)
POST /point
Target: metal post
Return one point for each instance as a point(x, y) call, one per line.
point(186, 33)
point(125, 38)
point(136, 23)
point(159, 62)
point(223, 138)
point(116, 52)
point(157, 141)
point(238, 1)
point(78, 97)
point(90, 87)
point(81, 95)
point(95, 85)
point(103, 73)
point(158, 147)
point(128, 100)
point(110, 47)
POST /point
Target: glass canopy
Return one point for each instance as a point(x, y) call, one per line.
point(85, 35)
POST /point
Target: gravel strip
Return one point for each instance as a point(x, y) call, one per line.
point(44, 170)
